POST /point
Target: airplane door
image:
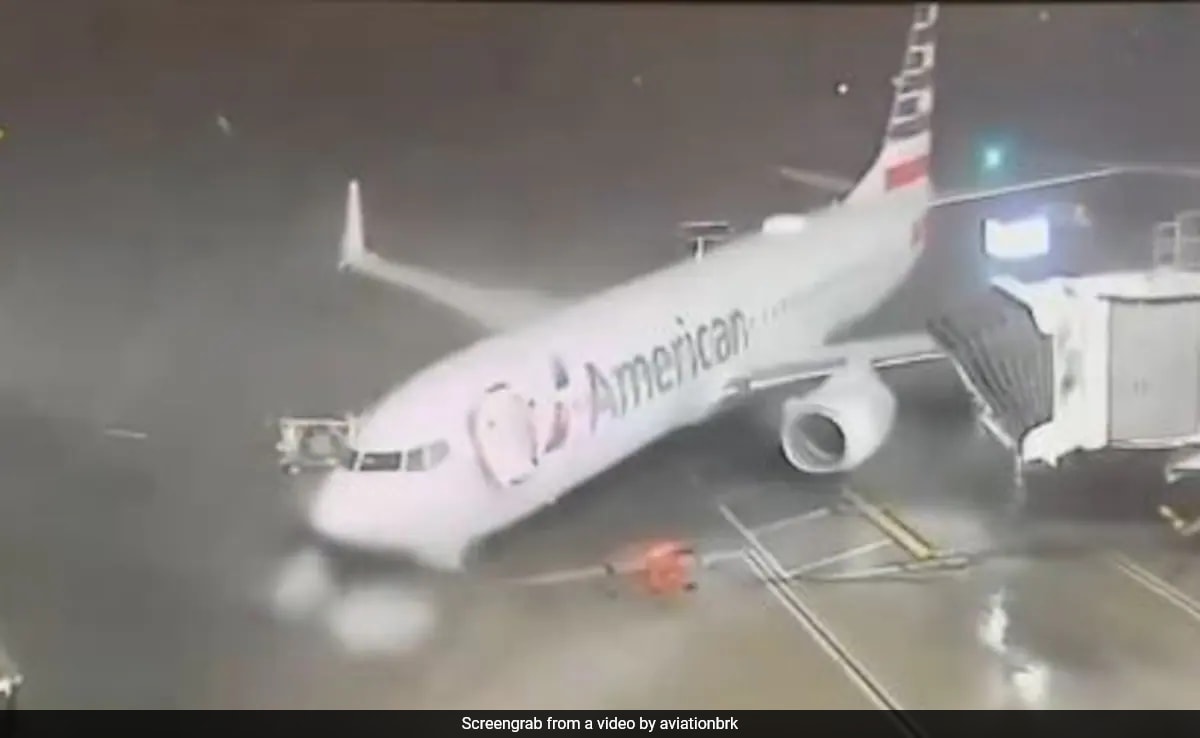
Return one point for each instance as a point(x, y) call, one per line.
point(514, 430)
point(504, 431)
point(554, 419)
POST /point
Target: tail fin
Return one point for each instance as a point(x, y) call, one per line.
point(903, 160)
point(353, 245)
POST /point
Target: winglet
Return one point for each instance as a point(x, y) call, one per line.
point(494, 309)
point(353, 245)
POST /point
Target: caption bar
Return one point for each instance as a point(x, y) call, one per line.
point(643, 724)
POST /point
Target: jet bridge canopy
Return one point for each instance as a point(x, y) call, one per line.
point(1003, 359)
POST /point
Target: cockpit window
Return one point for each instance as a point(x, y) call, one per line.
point(422, 458)
point(426, 457)
point(436, 452)
point(415, 460)
point(374, 461)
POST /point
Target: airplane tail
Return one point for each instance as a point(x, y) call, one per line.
point(903, 160)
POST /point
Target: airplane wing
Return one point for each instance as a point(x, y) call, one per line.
point(491, 308)
point(881, 353)
point(840, 185)
point(944, 199)
point(824, 181)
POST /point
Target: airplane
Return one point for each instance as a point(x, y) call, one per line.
point(557, 393)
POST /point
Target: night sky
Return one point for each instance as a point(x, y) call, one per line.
point(508, 124)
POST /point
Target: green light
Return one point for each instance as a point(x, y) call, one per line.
point(993, 158)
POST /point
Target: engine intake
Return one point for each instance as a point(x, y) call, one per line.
point(839, 425)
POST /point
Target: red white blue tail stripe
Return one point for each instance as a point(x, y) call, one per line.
point(904, 157)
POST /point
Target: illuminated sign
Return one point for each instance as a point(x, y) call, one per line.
point(1017, 240)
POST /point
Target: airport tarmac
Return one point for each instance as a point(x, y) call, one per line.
point(1054, 611)
point(170, 291)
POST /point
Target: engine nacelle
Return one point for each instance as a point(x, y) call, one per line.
point(840, 424)
point(784, 224)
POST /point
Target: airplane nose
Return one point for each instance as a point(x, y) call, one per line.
point(362, 514)
point(334, 515)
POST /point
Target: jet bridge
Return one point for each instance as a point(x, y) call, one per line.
point(1071, 364)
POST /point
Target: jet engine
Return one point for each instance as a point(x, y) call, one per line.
point(840, 424)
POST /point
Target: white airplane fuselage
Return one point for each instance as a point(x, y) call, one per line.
point(639, 361)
